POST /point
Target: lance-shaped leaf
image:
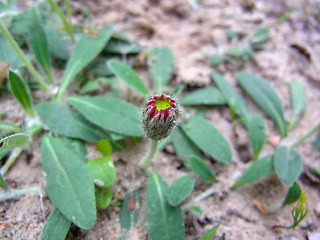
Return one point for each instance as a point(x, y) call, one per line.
point(110, 113)
point(265, 97)
point(179, 190)
point(208, 139)
point(38, 42)
point(203, 96)
point(57, 46)
point(69, 183)
point(231, 95)
point(210, 234)
point(161, 62)
point(85, 50)
point(260, 35)
point(201, 169)
point(64, 121)
point(257, 133)
point(129, 213)
point(298, 102)
point(21, 92)
point(287, 164)
point(56, 227)
point(259, 169)
point(129, 76)
point(182, 144)
point(164, 221)
point(15, 140)
point(254, 123)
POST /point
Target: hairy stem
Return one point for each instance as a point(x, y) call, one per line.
point(306, 136)
point(152, 150)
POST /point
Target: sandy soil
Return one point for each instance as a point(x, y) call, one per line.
point(193, 34)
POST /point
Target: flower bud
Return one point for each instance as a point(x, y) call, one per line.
point(160, 115)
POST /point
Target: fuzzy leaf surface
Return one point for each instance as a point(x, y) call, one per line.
point(69, 183)
point(287, 164)
point(179, 190)
point(258, 169)
point(203, 96)
point(208, 139)
point(129, 76)
point(56, 227)
point(182, 144)
point(110, 113)
point(262, 93)
point(161, 61)
point(164, 221)
point(201, 169)
point(298, 102)
point(65, 121)
point(21, 92)
point(85, 50)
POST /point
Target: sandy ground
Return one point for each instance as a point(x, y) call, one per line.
point(193, 34)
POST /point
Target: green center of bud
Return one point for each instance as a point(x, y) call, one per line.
point(162, 103)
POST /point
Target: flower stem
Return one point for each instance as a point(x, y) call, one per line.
point(307, 135)
point(13, 156)
point(21, 55)
point(152, 150)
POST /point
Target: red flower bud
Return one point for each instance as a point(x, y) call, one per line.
point(160, 114)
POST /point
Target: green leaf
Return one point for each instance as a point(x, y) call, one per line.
point(231, 95)
point(103, 196)
point(102, 171)
point(258, 169)
point(293, 194)
point(69, 183)
point(15, 140)
point(231, 34)
point(199, 167)
point(21, 92)
point(287, 164)
point(208, 139)
point(196, 210)
point(64, 121)
point(216, 59)
point(129, 76)
point(161, 61)
point(8, 54)
point(3, 183)
point(240, 53)
point(9, 127)
point(120, 46)
point(85, 50)
point(90, 87)
point(298, 102)
point(180, 190)
point(265, 97)
point(129, 213)
point(38, 43)
point(164, 221)
point(260, 35)
point(104, 147)
point(57, 46)
point(182, 144)
point(203, 96)
point(257, 133)
point(110, 113)
point(77, 146)
point(210, 234)
point(56, 227)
